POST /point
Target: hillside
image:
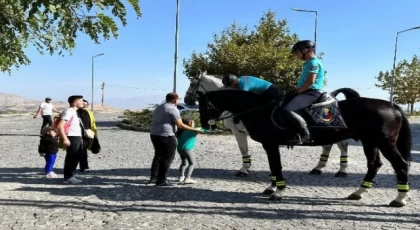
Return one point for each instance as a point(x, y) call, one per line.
point(10, 103)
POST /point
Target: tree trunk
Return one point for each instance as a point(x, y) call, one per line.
point(412, 107)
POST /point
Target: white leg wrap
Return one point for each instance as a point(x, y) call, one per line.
point(321, 164)
point(244, 170)
point(271, 188)
point(278, 193)
point(360, 191)
point(246, 166)
point(401, 197)
point(343, 167)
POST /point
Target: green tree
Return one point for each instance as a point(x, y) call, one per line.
point(263, 52)
point(406, 82)
point(53, 25)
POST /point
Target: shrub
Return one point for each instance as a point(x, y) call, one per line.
point(143, 119)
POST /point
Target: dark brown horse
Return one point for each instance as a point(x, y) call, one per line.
point(378, 124)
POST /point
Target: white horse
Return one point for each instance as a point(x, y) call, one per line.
point(205, 83)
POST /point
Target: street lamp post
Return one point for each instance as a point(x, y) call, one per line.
point(176, 44)
point(395, 58)
point(91, 103)
point(316, 21)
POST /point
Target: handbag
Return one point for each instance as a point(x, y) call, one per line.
point(86, 132)
point(89, 133)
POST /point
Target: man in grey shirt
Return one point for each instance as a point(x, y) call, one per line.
point(165, 117)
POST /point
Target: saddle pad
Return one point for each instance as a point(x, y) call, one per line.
point(325, 116)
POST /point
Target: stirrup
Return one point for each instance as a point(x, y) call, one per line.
point(296, 140)
point(307, 139)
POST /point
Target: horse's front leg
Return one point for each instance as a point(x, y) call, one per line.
point(242, 140)
point(278, 183)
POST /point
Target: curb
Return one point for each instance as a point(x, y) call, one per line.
point(132, 128)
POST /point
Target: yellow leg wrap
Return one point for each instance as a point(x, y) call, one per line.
point(403, 187)
point(246, 159)
point(281, 184)
point(366, 184)
point(343, 159)
point(324, 158)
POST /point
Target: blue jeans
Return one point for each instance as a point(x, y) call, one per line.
point(49, 162)
point(302, 100)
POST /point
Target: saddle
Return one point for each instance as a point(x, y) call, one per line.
point(323, 113)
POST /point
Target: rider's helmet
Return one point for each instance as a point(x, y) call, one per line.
point(300, 45)
point(228, 79)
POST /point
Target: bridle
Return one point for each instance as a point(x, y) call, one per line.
point(195, 92)
point(258, 109)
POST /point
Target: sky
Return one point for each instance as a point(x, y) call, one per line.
point(356, 36)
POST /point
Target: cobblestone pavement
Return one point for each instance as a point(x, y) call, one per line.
point(115, 196)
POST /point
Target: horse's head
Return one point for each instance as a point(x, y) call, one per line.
point(242, 104)
point(201, 83)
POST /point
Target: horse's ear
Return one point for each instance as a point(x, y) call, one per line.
point(198, 74)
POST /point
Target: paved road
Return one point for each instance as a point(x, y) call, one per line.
point(115, 196)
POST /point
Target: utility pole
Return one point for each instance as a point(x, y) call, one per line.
point(103, 90)
point(316, 22)
point(391, 95)
point(93, 57)
point(176, 43)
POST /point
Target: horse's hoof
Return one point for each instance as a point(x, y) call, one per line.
point(241, 174)
point(354, 197)
point(396, 204)
point(341, 174)
point(315, 172)
point(275, 197)
point(268, 192)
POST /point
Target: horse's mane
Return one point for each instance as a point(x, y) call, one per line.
point(216, 79)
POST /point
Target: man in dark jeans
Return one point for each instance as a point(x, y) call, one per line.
point(162, 134)
point(46, 109)
point(71, 131)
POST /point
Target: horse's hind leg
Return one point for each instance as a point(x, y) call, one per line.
point(326, 149)
point(401, 168)
point(373, 163)
point(343, 146)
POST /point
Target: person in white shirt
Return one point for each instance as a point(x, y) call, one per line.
point(46, 109)
point(70, 129)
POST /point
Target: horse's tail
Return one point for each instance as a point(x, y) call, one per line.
point(348, 93)
point(404, 141)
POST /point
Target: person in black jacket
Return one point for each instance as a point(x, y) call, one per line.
point(85, 118)
point(48, 147)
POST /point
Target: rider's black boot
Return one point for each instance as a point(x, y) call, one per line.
point(299, 124)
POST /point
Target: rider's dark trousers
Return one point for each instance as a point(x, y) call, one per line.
point(302, 100)
point(272, 92)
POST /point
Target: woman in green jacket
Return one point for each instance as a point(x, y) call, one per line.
point(186, 143)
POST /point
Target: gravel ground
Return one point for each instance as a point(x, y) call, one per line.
point(114, 195)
